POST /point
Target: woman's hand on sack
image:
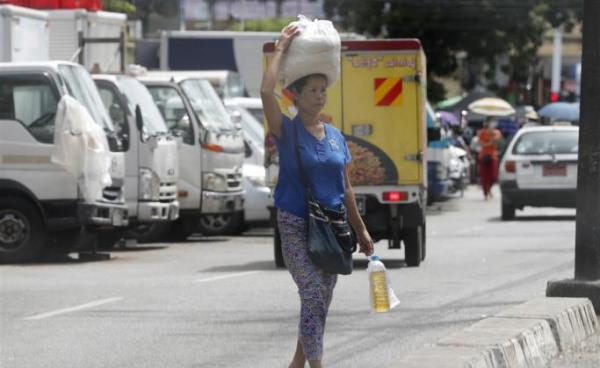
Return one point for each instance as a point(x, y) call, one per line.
point(365, 242)
point(287, 35)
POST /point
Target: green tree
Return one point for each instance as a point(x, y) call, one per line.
point(481, 30)
point(119, 6)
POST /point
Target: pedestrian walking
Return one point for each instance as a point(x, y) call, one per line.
point(325, 156)
point(488, 138)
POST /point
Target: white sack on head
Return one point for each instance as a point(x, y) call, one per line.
point(316, 49)
point(81, 147)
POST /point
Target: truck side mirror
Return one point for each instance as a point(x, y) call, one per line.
point(139, 120)
point(434, 134)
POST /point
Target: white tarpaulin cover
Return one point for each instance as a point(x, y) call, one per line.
point(316, 49)
point(81, 147)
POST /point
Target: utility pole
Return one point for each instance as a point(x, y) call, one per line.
point(587, 231)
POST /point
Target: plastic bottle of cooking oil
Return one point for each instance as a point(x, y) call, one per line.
point(380, 298)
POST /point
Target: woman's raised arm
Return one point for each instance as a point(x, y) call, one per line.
point(267, 89)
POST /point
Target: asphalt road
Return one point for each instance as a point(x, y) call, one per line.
point(219, 302)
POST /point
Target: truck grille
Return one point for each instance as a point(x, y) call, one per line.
point(168, 192)
point(111, 194)
point(234, 181)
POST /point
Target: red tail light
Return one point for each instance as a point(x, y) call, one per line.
point(510, 167)
point(213, 147)
point(395, 196)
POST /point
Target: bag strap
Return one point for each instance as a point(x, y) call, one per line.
point(300, 165)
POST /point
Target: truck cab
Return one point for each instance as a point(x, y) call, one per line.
point(151, 168)
point(211, 152)
point(41, 203)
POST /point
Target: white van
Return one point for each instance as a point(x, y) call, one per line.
point(151, 168)
point(210, 156)
point(41, 202)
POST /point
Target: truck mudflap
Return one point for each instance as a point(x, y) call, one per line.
point(103, 214)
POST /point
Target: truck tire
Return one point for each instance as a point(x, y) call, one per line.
point(413, 245)
point(182, 228)
point(508, 212)
point(22, 230)
point(424, 249)
point(222, 224)
point(279, 263)
point(153, 232)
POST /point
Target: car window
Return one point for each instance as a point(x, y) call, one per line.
point(33, 102)
point(172, 108)
point(547, 143)
point(137, 95)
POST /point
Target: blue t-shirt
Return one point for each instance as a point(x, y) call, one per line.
point(324, 161)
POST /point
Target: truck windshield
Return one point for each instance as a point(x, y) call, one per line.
point(137, 94)
point(81, 86)
point(207, 105)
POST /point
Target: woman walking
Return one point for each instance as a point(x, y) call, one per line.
point(488, 138)
point(324, 155)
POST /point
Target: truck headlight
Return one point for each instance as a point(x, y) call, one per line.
point(257, 180)
point(214, 182)
point(149, 185)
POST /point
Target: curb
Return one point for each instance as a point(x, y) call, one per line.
point(528, 335)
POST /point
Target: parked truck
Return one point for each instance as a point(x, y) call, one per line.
point(210, 155)
point(23, 34)
point(379, 104)
point(42, 202)
point(151, 169)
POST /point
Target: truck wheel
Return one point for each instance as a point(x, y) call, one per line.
point(508, 211)
point(182, 228)
point(279, 263)
point(413, 245)
point(149, 233)
point(222, 224)
point(22, 231)
point(424, 249)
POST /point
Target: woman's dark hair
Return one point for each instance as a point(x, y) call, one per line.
point(297, 85)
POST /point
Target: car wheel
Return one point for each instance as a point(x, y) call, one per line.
point(221, 224)
point(508, 211)
point(413, 245)
point(22, 231)
point(279, 262)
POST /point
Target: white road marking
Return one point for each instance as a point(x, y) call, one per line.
point(73, 309)
point(227, 276)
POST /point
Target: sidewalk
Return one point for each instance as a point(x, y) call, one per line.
point(586, 355)
point(540, 333)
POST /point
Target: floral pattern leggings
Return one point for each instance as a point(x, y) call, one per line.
point(314, 286)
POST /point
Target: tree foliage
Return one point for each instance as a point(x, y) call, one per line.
point(119, 6)
point(480, 31)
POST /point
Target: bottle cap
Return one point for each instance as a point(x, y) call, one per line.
point(374, 258)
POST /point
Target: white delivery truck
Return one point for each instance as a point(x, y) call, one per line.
point(23, 34)
point(210, 155)
point(53, 181)
point(151, 168)
point(71, 38)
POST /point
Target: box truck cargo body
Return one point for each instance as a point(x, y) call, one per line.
point(23, 34)
point(65, 26)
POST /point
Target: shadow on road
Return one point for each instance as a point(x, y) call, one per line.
point(199, 238)
point(252, 266)
point(534, 218)
point(389, 263)
point(138, 248)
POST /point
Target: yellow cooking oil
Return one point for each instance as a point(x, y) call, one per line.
point(379, 292)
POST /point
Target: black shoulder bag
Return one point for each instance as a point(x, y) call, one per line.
point(330, 239)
